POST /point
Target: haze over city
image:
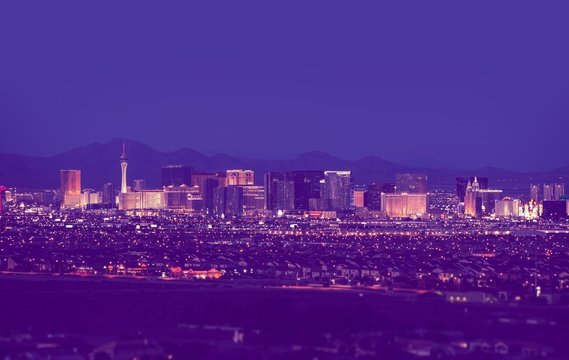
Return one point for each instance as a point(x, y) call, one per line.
point(433, 84)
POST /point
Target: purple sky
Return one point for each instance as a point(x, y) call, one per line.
point(440, 83)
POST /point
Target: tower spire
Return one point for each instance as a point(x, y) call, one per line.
point(124, 165)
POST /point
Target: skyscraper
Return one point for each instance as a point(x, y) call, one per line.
point(534, 192)
point(234, 204)
point(70, 188)
point(210, 187)
point(124, 164)
point(306, 187)
point(272, 180)
point(253, 198)
point(549, 192)
point(559, 191)
point(108, 199)
point(176, 175)
point(228, 200)
point(337, 190)
point(359, 198)
point(411, 183)
point(373, 196)
point(279, 191)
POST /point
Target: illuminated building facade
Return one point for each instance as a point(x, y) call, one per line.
point(70, 188)
point(359, 198)
point(462, 182)
point(336, 193)
point(139, 185)
point(552, 192)
point(480, 202)
point(559, 191)
point(548, 192)
point(240, 177)
point(508, 207)
point(90, 199)
point(279, 191)
point(402, 205)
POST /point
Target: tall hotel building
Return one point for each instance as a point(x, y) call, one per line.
point(70, 188)
point(337, 190)
point(240, 177)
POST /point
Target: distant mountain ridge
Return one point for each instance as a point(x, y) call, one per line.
point(99, 164)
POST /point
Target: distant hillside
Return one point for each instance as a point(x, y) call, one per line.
point(99, 164)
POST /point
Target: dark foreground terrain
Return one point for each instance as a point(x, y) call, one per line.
point(64, 317)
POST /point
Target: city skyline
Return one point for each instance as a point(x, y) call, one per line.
point(284, 180)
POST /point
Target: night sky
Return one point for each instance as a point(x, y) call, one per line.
point(461, 84)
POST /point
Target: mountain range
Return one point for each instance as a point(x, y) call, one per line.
point(99, 164)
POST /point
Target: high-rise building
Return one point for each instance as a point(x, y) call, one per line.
point(124, 164)
point(359, 198)
point(108, 199)
point(337, 190)
point(559, 191)
point(253, 198)
point(373, 196)
point(411, 183)
point(139, 185)
point(228, 200)
point(234, 204)
point(306, 184)
point(279, 191)
point(210, 187)
point(549, 192)
point(177, 175)
point(272, 180)
point(534, 192)
point(240, 177)
point(70, 188)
